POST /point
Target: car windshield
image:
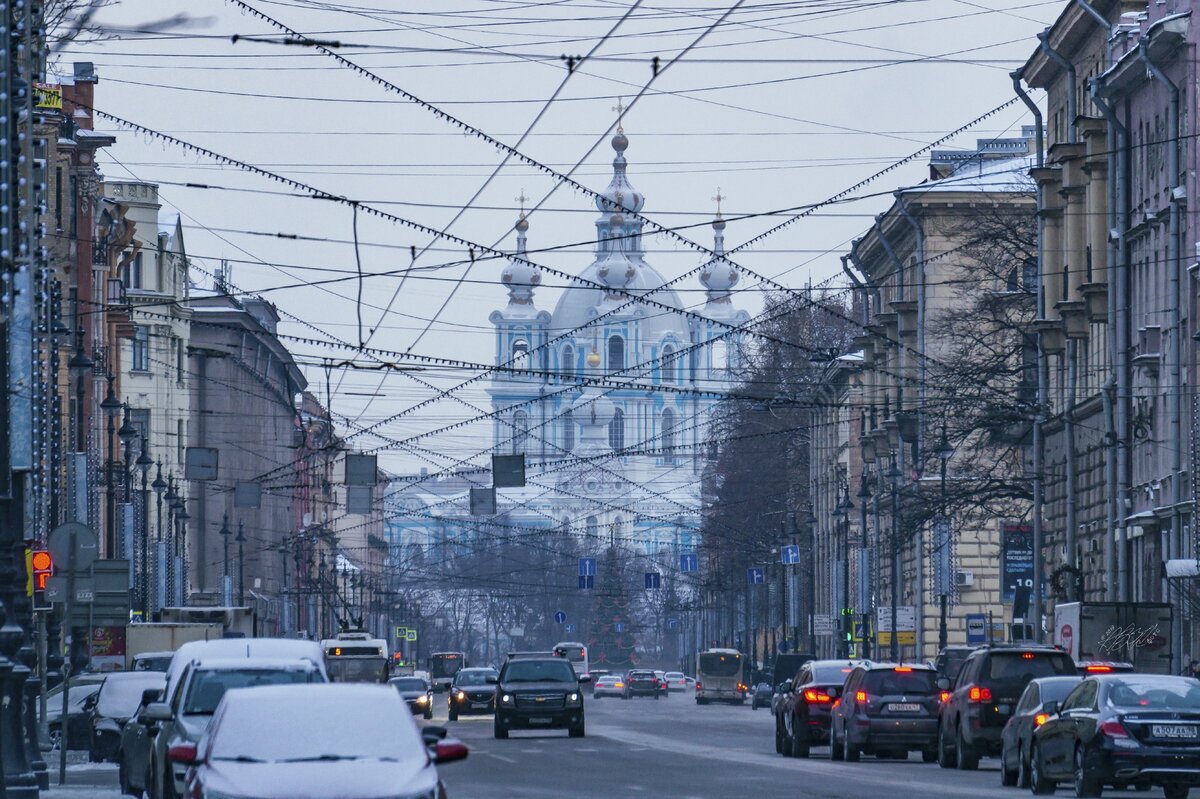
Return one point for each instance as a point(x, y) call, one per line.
point(208, 686)
point(1012, 671)
point(357, 669)
point(1157, 694)
point(720, 665)
point(674, 675)
point(409, 684)
point(539, 671)
point(890, 682)
point(473, 677)
point(950, 662)
point(834, 674)
point(121, 694)
point(155, 663)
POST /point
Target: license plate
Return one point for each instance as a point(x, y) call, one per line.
point(540, 720)
point(480, 704)
point(1003, 708)
point(904, 707)
point(1173, 731)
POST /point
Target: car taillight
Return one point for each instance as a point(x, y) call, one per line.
point(861, 696)
point(1113, 729)
point(697, 685)
point(980, 694)
point(816, 696)
point(1098, 669)
point(1040, 719)
point(944, 696)
point(903, 669)
point(1027, 655)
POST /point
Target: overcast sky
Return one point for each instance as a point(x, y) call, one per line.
point(782, 105)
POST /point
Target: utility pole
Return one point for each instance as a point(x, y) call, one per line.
point(241, 542)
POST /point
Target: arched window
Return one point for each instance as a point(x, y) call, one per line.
point(668, 433)
point(616, 430)
point(520, 431)
point(520, 354)
point(568, 431)
point(568, 363)
point(616, 353)
point(668, 364)
point(591, 528)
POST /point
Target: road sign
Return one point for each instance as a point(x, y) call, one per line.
point(587, 582)
point(56, 589)
point(790, 554)
point(570, 628)
point(672, 624)
point(861, 631)
point(906, 625)
point(755, 576)
point(508, 471)
point(822, 624)
point(87, 546)
point(689, 562)
point(653, 581)
point(618, 627)
point(560, 617)
point(976, 628)
point(587, 567)
point(411, 635)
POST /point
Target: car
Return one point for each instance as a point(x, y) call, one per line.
point(780, 693)
point(185, 715)
point(640, 682)
point(137, 737)
point(595, 674)
point(886, 709)
point(950, 660)
point(82, 698)
point(761, 697)
point(1039, 702)
point(1138, 730)
point(471, 692)
point(1089, 667)
point(539, 693)
point(152, 661)
point(788, 664)
point(804, 712)
point(117, 701)
point(981, 699)
point(317, 741)
point(609, 685)
point(417, 693)
point(663, 688)
point(676, 681)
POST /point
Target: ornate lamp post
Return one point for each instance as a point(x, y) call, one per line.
point(112, 408)
point(894, 476)
point(944, 453)
point(182, 518)
point(841, 515)
point(864, 571)
point(321, 598)
point(241, 542)
point(127, 434)
point(226, 589)
point(168, 567)
point(143, 463)
point(159, 485)
point(80, 367)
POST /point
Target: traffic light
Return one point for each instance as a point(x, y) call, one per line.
point(38, 568)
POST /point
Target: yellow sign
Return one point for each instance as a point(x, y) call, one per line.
point(904, 638)
point(47, 95)
point(28, 572)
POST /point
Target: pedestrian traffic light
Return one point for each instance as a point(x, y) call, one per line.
point(38, 568)
point(847, 628)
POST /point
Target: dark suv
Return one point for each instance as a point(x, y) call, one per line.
point(886, 709)
point(983, 697)
point(802, 715)
point(538, 693)
point(642, 683)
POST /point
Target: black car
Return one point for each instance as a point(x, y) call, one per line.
point(642, 683)
point(1124, 730)
point(886, 709)
point(761, 696)
point(1039, 702)
point(472, 693)
point(802, 715)
point(950, 661)
point(116, 703)
point(417, 693)
point(539, 693)
point(982, 699)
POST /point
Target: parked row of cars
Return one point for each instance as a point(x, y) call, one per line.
point(1049, 720)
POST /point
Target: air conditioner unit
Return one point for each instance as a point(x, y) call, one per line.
point(964, 579)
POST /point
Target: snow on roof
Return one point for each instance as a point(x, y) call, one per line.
point(997, 176)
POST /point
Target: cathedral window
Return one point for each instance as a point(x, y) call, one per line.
point(720, 355)
point(520, 354)
point(616, 431)
point(520, 431)
point(668, 433)
point(616, 353)
point(669, 364)
point(568, 363)
point(568, 431)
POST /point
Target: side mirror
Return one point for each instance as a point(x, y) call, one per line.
point(943, 684)
point(492, 680)
point(159, 711)
point(785, 686)
point(1050, 708)
point(184, 754)
point(449, 750)
point(433, 734)
point(584, 678)
point(151, 695)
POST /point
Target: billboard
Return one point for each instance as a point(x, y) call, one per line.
point(1016, 559)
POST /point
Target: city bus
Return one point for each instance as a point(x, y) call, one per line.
point(576, 653)
point(356, 657)
point(443, 666)
point(719, 677)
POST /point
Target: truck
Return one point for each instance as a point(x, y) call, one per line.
point(1130, 632)
point(164, 638)
point(237, 622)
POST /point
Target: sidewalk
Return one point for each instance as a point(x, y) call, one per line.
point(98, 780)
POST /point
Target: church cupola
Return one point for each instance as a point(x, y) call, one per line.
point(520, 276)
point(616, 270)
point(718, 275)
point(619, 199)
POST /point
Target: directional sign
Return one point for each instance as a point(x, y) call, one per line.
point(653, 581)
point(672, 624)
point(560, 618)
point(822, 624)
point(689, 562)
point(790, 555)
point(587, 582)
point(618, 627)
point(570, 628)
point(755, 576)
point(587, 567)
point(56, 589)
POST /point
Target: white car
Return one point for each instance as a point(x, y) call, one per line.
point(609, 685)
point(317, 741)
point(676, 681)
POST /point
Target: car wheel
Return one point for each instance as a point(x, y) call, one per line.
point(945, 758)
point(835, 748)
point(1008, 776)
point(1022, 769)
point(852, 753)
point(1172, 791)
point(122, 783)
point(965, 757)
point(929, 755)
point(800, 748)
point(778, 739)
point(498, 728)
point(1086, 785)
point(1038, 783)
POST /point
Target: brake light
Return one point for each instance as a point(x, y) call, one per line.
point(903, 669)
point(698, 686)
point(980, 694)
point(1040, 719)
point(944, 696)
point(860, 696)
point(1098, 669)
point(816, 696)
point(1027, 655)
point(1113, 729)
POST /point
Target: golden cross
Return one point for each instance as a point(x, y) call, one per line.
point(718, 198)
point(620, 109)
point(522, 199)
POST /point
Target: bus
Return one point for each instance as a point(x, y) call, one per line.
point(719, 677)
point(443, 666)
point(356, 657)
point(576, 653)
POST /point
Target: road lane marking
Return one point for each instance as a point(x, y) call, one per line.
point(500, 757)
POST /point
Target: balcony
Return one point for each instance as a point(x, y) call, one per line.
point(1074, 318)
point(1095, 295)
point(1052, 337)
point(1148, 355)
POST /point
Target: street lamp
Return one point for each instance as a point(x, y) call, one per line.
point(810, 524)
point(112, 408)
point(143, 463)
point(172, 499)
point(894, 476)
point(159, 485)
point(127, 434)
point(841, 515)
point(226, 589)
point(944, 453)
point(864, 575)
point(181, 571)
point(80, 366)
point(241, 542)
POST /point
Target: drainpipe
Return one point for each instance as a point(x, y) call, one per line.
point(1069, 68)
point(861, 287)
point(1038, 445)
point(1119, 334)
point(1174, 302)
point(1096, 15)
point(900, 359)
point(919, 290)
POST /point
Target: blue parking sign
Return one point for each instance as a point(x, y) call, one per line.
point(653, 580)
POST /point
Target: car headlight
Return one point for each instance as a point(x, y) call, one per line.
point(506, 699)
point(422, 699)
point(461, 696)
point(573, 697)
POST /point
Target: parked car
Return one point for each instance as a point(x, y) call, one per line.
point(417, 693)
point(152, 661)
point(886, 709)
point(640, 682)
point(116, 702)
point(803, 714)
point(676, 681)
point(471, 692)
point(539, 693)
point(761, 696)
point(1089, 667)
point(137, 737)
point(982, 698)
point(780, 693)
point(1039, 702)
point(84, 688)
point(609, 685)
point(353, 740)
point(1121, 730)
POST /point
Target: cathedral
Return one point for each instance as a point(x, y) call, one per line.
point(608, 396)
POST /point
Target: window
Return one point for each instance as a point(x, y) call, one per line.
point(131, 272)
point(668, 432)
point(520, 431)
point(616, 353)
point(720, 355)
point(180, 441)
point(668, 364)
point(520, 354)
point(591, 527)
point(140, 419)
point(568, 431)
point(568, 363)
point(139, 359)
point(179, 358)
point(616, 430)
